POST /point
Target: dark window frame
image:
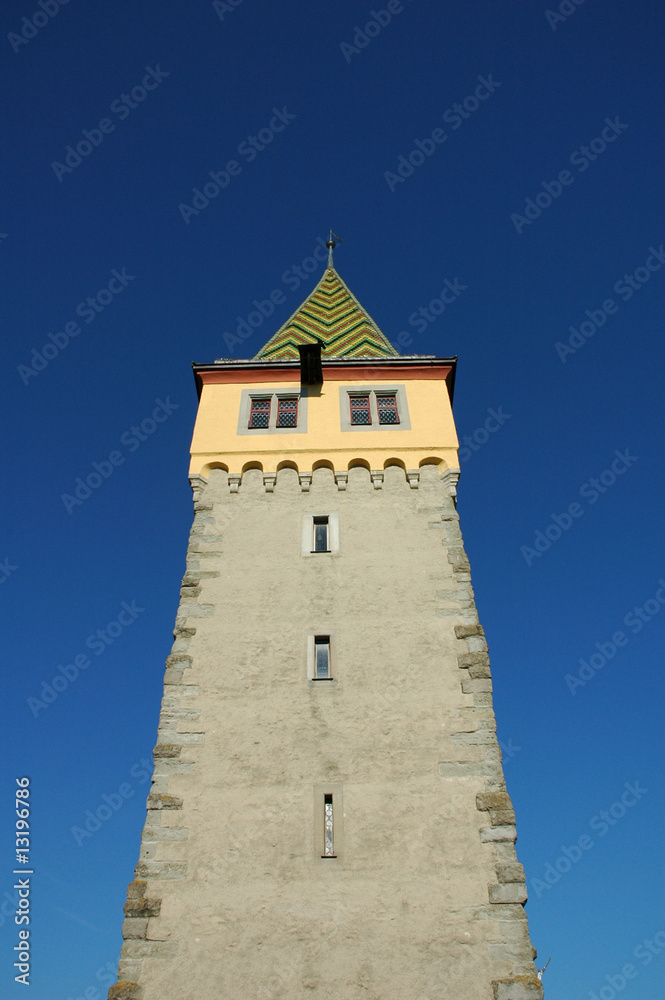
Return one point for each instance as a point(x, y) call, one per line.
point(287, 406)
point(355, 397)
point(256, 411)
point(322, 642)
point(390, 407)
point(322, 521)
point(328, 826)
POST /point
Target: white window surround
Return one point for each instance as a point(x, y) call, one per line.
point(307, 538)
point(272, 393)
point(346, 391)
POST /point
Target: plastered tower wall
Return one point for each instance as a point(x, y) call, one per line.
point(232, 897)
point(424, 895)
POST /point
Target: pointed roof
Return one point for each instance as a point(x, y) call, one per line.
point(332, 314)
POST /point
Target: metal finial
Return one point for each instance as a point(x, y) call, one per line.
point(331, 243)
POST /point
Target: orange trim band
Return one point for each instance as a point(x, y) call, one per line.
point(335, 373)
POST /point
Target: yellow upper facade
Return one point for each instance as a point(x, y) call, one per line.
point(367, 405)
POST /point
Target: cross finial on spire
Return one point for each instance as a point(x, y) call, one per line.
point(331, 244)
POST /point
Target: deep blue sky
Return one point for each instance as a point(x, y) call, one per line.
point(66, 575)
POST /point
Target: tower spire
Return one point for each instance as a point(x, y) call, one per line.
point(332, 314)
point(331, 243)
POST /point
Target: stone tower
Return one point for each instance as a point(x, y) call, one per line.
point(328, 816)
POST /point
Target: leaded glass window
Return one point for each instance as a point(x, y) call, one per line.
point(287, 412)
point(360, 412)
point(328, 847)
point(259, 414)
point(387, 407)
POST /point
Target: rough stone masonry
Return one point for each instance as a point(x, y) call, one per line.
point(231, 896)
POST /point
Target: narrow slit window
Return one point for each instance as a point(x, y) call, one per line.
point(328, 843)
point(321, 657)
point(287, 412)
point(321, 540)
point(387, 407)
point(360, 411)
point(259, 414)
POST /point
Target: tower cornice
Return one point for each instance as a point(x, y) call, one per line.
point(404, 367)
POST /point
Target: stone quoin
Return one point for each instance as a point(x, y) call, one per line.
point(328, 815)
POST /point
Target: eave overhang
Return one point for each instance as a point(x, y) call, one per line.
point(335, 369)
